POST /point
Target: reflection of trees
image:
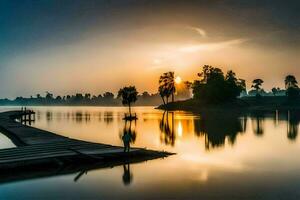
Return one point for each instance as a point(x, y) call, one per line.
point(87, 116)
point(166, 126)
point(49, 116)
point(257, 119)
point(108, 117)
point(292, 125)
point(216, 128)
point(127, 175)
point(130, 130)
point(79, 116)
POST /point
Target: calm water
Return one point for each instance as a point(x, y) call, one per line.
point(219, 156)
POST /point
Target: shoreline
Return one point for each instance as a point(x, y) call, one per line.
point(239, 106)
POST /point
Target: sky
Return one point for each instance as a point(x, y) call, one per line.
point(93, 46)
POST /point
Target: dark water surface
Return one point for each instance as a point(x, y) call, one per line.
point(219, 156)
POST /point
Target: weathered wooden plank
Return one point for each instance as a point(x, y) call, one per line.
point(37, 156)
point(53, 149)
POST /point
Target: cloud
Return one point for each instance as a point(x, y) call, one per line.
point(211, 46)
point(198, 30)
point(157, 61)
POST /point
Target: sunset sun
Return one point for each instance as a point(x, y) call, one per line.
point(178, 80)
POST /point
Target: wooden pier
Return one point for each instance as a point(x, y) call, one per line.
point(36, 147)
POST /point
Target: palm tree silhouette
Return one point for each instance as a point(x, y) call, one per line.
point(167, 86)
point(291, 85)
point(256, 84)
point(290, 81)
point(128, 95)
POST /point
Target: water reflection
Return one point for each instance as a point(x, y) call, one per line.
point(215, 129)
point(258, 123)
point(166, 125)
point(227, 151)
point(127, 175)
point(128, 135)
point(108, 117)
point(292, 125)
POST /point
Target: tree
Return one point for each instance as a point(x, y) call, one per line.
point(275, 91)
point(87, 96)
point(163, 93)
point(167, 86)
point(256, 84)
point(290, 81)
point(145, 94)
point(214, 87)
point(128, 95)
point(78, 98)
point(108, 96)
point(58, 98)
point(291, 85)
point(49, 96)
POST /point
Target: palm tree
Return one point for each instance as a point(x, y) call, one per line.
point(128, 95)
point(256, 84)
point(167, 86)
point(162, 93)
point(290, 81)
point(275, 91)
point(291, 85)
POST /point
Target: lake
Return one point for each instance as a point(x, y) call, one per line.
point(218, 155)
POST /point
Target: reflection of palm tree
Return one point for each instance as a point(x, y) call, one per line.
point(292, 126)
point(244, 124)
point(258, 126)
point(128, 136)
point(127, 176)
point(167, 131)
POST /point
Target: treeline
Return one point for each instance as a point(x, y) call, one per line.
point(105, 99)
point(213, 86)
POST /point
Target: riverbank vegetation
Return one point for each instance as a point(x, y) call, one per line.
point(79, 99)
point(214, 90)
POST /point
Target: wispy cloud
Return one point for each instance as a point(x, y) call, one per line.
point(198, 30)
point(211, 46)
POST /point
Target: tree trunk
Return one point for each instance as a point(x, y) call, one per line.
point(172, 96)
point(163, 100)
point(129, 110)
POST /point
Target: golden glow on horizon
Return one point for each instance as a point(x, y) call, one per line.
point(93, 68)
point(179, 129)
